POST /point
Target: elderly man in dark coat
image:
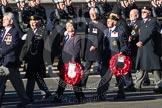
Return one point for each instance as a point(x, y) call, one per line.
point(94, 42)
point(115, 41)
point(148, 55)
point(32, 53)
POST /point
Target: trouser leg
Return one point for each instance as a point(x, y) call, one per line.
point(140, 76)
point(41, 84)
point(61, 88)
point(128, 79)
point(120, 82)
point(146, 80)
point(157, 78)
point(86, 73)
point(3, 79)
point(78, 91)
point(106, 76)
point(30, 87)
point(96, 66)
point(17, 83)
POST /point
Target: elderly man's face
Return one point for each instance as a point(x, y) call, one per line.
point(145, 13)
point(34, 24)
point(93, 15)
point(111, 23)
point(7, 21)
point(133, 15)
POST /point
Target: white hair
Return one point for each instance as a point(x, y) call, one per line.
point(94, 9)
point(10, 15)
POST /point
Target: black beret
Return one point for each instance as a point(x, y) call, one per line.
point(146, 8)
point(112, 17)
point(116, 10)
point(35, 17)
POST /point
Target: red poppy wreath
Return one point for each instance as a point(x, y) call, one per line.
point(72, 73)
point(120, 70)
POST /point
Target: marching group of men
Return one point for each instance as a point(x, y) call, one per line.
point(110, 28)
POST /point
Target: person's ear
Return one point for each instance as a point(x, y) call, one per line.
point(11, 21)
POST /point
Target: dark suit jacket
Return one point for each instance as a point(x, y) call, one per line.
point(109, 48)
point(9, 50)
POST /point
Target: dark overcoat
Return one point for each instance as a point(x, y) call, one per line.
point(94, 38)
point(32, 52)
point(148, 56)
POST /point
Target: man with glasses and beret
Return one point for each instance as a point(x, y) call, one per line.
point(149, 50)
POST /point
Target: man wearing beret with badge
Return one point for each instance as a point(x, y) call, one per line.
point(149, 50)
point(115, 41)
point(32, 53)
point(9, 60)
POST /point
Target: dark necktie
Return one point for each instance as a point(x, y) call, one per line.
point(2, 35)
point(109, 34)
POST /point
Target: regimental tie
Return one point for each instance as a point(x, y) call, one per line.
point(66, 38)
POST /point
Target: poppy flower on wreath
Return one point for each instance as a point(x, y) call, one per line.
point(72, 73)
point(120, 64)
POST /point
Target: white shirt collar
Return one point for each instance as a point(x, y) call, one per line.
point(113, 28)
point(7, 30)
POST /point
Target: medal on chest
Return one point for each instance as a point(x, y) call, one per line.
point(8, 39)
point(114, 43)
point(94, 30)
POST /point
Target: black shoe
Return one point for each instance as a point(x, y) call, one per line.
point(146, 83)
point(119, 97)
point(31, 100)
point(23, 104)
point(101, 97)
point(158, 90)
point(130, 88)
point(46, 96)
point(57, 100)
point(81, 99)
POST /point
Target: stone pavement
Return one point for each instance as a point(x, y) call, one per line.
point(144, 99)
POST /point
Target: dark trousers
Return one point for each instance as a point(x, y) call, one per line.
point(106, 76)
point(61, 88)
point(3, 80)
point(86, 73)
point(14, 76)
point(31, 84)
